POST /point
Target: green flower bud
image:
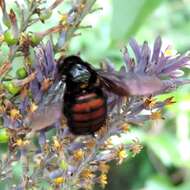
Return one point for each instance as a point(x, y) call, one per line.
point(63, 165)
point(9, 38)
point(11, 88)
point(45, 15)
point(36, 39)
point(21, 73)
point(4, 136)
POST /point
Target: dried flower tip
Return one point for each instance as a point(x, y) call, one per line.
point(15, 114)
point(136, 147)
point(109, 143)
point(121, 155)
point(58, 180)
point(56, 144)
point(149, 103)
point(81, 7)
point(24, 93)
point(103, 180)
point(78, 155)
point(22, 143)
point(91, 143)
point(2, 109)
point(5, 67)
point(26, 80)
point(1, 38)
point(12, 16)
point(7, 104)
point(46, 148)
point(33, 107)
point(38, 159)
point(87, 174)
point(156, 115)
point(103, 167)
point(169, 101)
point(125, 127)
point(46, 84)
point(2, 4)
point(24, 42)
point(103, 130)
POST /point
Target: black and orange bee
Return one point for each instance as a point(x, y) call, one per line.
point(80, 95)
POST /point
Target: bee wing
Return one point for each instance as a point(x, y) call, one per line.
point(132, 84)
point(49, 109)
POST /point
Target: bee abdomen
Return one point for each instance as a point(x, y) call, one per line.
point(94, 114)
point(88, 113)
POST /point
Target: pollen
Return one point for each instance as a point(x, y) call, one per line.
point(103, 180)
point(15, 114)
point(59, 180)
point(33, 107)
point(121, 155)
point(21, 143)
point(63, 19)
point(136, 147)
point(168, 51)
point(87, 174)
point(78, 155)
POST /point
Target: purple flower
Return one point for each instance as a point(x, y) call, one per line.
point(44, 61)
point(45, 68)
point(156, 63)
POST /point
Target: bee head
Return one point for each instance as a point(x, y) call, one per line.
point(75, 70)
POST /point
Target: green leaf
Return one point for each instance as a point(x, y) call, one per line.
point(158, 182)
point(165, 146)
point(4, 185)
point(129, 15)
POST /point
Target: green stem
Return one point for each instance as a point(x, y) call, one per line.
point(23, 27)
point(87, 8)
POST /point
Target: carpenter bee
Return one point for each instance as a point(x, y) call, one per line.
point(79, 95)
